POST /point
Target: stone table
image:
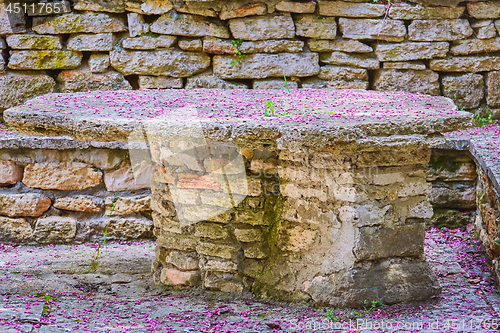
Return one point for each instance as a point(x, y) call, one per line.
point(312, 195)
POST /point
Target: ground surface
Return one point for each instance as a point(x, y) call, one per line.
point(54, 289)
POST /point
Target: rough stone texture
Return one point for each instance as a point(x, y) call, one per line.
point(127, 205)
point(484, 29)
point(467, 91)
point(211, 230)
point(208, 80)
point(160, 82)
point(218, 46)
point(83, 80)
point(160, 62)
point(34, 42)
point(308, 25)
point(457, 198)
point(351, 9)
point(471, 46)
point(148, 43)
point(129, 227)
point(183, 261)
point(388, 30)
point(411, 51)
point(484, 10)
point(61, 176)
point(28, 204)
point(315, 83)
point(248, 10)
point(55, 229)
point(190, 44)
point(17, 87)
point(339, 44)
point(14, 230)
point(136, 25)
point(472, 64)
point(274, 84)
point(424, 82)
point(493, 85)
point(189, 25)
point(75, 23)
point(439, 30)
point(151, 7)
point(404, 11)
point(416, 65)
point(260, 66)
point(91, 42)
point(296, 7)
point(11, 23)
point(123, 179)
point(113, 6)
point(99, 62)
point(342, 73)
point(78, 204)
point(272, 46)
point(348, 59)
point(209, 9)
point(174, 277)
point(262, 27)
point(10, 173)
point(46, 59)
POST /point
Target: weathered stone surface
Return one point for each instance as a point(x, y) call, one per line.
point(467, 90)
point(184, 261)
point(389, 30)
point(424, 82)
point(296, 7)
point(159, 82)
point(34, 42)
point(148, 43)
point(98, 62)
point(349, 59)
point(472, 64)
point(177, 242)
point(484, 10)
point(351, 9)
point(3, 44)
point(248, 235)
point(211, 230)
point(218, 46)
point(217, 265)
point(46, 59)
point(113, 6)
point(54, 229)
point(493, 85)
point(396, 157)
point(83, 80)
point(27, 204)
point(260, 66)
point(251, 9)
point(78, 204)
point(263, 27)
point(174, 277)
point(127, 205)
point(255, 251)
point(274, 84)
point(129, 227)
point(297, 239)
point(91, 42)
point(315, 83)
point(190, 44)
point(10, 173)
point(75, 23)
point(339, 44)
point(309, 25)
point(202, 8)
point(484, 29)
point(43, 9)
point(216, 250)
point(471, 46)
point(411, 51)
point(272, 46)
point(136, 24)
point(189, 25)
point(11, 23)
point(460, 197)
point(17, 87)
point(416, 65)
point(61, 176)
point(404, 11)
point(343, 73)
point(14, 230)
point(150, 7)
point(439, 30)
point(123, 179)
point(208, 80)
point(160, 62)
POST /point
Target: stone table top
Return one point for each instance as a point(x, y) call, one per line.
point(318, 117)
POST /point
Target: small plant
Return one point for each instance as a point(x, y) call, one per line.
point(270, 105)
point(354, 315)
point(483, 121)
point(237, 44)
point(97, 255)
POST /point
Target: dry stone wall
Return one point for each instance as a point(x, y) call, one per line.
point(443, 47)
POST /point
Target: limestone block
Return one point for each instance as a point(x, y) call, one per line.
point(274, 84)
point(472, 46)
point(184, 261)
point(252, 268)
point(17, 87)
point(202, 8)
point(272, 46)
point(223, 281)
point(11, 23)
point(484, 29)
point(216, 265)
point(411, 51)
point(123, 179)
point(54, 229)
point(394, 157)
point(424, 82)
point(129, 227)
point(339, 44)
point(484, 10)
point(296, 7)
point(313, 26)
point(99, 62)
point(136, 24)
point(422, 210)
point(74, 23)
point(261, 66)
point(127, 205)
point(458, 197)
point(315, 83)
point(112, 6)
point(377, 243)
point(351, 9)
point(493, 88)
point(298, 191)
point(304, 211)
point(160, 62)
point(46, 59)
point(472, 64)
point(3, 44)
point(439, 30)
point(248, 235)
point(349, 59)
point(10, 173)
point(159, 82)
point(211, 230)
point(371, 215)
point(84, 80)
point(216, 250)
point(177, 242)
point(91, 42)
point(150, 7)
point(251, 217)
point(218, 46)
point(255, 251)
point(14, 230)
point(61, 176)
point(78, 204)
point(414, 187)
point(190, 44)
point(189, 25)
point(262, 27)
point(388, 30)
point(297, 239)
point(148, 42)
point(467, 91)
point(34, 42)
point(342, 73)
point(174, 277)
point(26, 204)
point(404, 11)
point(248, 10)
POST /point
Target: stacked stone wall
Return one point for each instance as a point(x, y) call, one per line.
point(437, 47)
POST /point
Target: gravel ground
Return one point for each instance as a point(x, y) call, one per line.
point(57, 289)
